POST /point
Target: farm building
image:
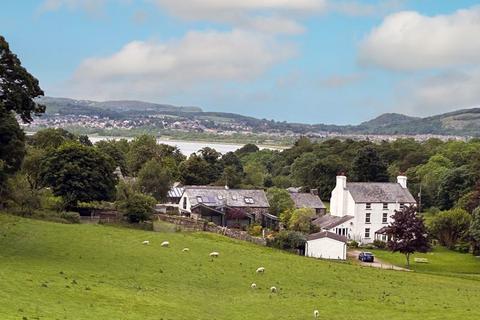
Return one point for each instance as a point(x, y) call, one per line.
point(326, 245)
point(227, 207)
point(307, 200)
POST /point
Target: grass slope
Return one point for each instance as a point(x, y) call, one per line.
point(55, 271)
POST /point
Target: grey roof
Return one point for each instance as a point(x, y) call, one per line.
point(378, 192)
point(307, 200)
point(329, 221)
point(175, 192)
point(220, 196)
point(327, 234)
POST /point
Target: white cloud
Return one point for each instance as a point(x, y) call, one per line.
point(341, 80)
point(443, 92)
point(155, 69)
point(410, 41)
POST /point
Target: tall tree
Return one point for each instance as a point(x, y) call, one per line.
point(142, 149)
point(154, 180)
point(407, 233)
point(18, 88)
point(453, 185)
point(279, 200)
point(369, 167)
point(194, 171)
point(474, 231)
point(51, 138)
point(79, 173)
point(450, 226)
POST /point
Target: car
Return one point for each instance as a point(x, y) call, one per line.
point(366, 257)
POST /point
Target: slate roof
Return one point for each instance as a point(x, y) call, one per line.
point(329, 222)
point(379, 192)
point(307, 200)
point(219, 196)
point(327, 234)
point(175, 192)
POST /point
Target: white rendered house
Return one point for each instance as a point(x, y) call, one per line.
point(326, 245)
point(360, 209)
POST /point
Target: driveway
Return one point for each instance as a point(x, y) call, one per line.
point(352, 255)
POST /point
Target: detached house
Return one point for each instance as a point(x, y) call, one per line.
point(360, 211)
point(227, 207)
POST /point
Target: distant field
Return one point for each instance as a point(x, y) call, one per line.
point(440, 261)
point(55, 271)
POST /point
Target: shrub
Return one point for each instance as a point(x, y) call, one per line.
point(72, 217)
point(463, 247)
point(255, 230)
point(380, 244)
point(353, 244)
point(288, 240)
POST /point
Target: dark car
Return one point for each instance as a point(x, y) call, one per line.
point(366, 257)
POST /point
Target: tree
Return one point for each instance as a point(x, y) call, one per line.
point(301, 220)
point(154, 180)
point(18, 88)
point(453, 185)
point(79, 173)
point(246, 149)
point(215, 167)
point(279, 200)
point(117, 150)
point(302, 167)
point(407, 233)
point(254, 174)
point(194, 171)
point(32, 165)
point(450, 226)
point(369, 167)
point(231, 177)
point(136, 207)
point(142, 149)
point(474, 231)
point(25, 198)
point(12, 142)
point(51, 138)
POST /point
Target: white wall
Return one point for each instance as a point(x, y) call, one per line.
point(189, 205)
point(326, 248)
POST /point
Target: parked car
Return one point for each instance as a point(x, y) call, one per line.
point(366, 257)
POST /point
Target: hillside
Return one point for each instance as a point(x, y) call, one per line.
point(460, 123)
point(55, 271)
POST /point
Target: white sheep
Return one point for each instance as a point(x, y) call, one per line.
point(260, 270)
point(254, 286)
point(316, 314)
point(185, 250)
point(273, 289)
point(146, 242)
point(165, 244)
point(214, 254)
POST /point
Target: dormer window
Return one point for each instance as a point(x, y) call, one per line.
point(249, 200)
point(199, 199)
point(220, 197)
point(368, 206)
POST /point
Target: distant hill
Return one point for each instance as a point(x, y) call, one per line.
point(464, 122)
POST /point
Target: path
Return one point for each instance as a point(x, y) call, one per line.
point(353, 256)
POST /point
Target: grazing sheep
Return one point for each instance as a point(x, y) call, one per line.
point(214, 254)
point(316, 314)
point(165, 244)
point(260, 270)
point(254, 286)
point(273, 289)
point(185, 250)
point(146, 242)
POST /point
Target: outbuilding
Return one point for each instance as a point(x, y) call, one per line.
point(326, 245)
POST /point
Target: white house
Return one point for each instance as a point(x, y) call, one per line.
point(364, 208)
point(326, 245)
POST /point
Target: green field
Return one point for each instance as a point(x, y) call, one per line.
point(56, 271)
point(440, 261)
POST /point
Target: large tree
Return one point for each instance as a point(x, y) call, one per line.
point(407, 233)
point(79, 173)
point(450, 226)
point(474, 231)
point(18, 88)
point(369, 167)
point(454, 184)
point(154, 180)
point(279, 200)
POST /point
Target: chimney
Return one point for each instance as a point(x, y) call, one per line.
point(342, 181)
point(402, 180)
point(314, 192)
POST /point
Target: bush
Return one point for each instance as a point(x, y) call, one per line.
point(255, 230)
point(462, 247)
point(380, 244)
point(72, 217)
point(353, 244)
point(288, 240)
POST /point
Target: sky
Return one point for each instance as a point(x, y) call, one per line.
point(311, 61)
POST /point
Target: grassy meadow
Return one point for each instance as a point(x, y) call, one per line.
point(58, 271)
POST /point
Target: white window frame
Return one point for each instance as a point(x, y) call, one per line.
point(385, 218)
point(368, 218)
point(368, 206)
point(367, 233)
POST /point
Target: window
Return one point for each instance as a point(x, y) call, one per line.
point(385, 206)
point(199, 199)
point(402, 206)
point(367, 233)
point(249, 200)
point(385, 217)
point(367, 217)
point(185, 203)
point(342, 231)
point(368, 206)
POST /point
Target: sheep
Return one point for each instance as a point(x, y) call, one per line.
point(214, 254)
point(273, 289)
point(165, 244)
point(260, 270)
point(253, 286)
point(146, 242)
point(316, 314)
point(185, 250)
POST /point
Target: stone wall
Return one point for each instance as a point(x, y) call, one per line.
point(189, 224)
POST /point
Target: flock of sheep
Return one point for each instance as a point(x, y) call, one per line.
point(215, 254)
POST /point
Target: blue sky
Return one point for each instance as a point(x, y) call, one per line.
point(315, 61)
